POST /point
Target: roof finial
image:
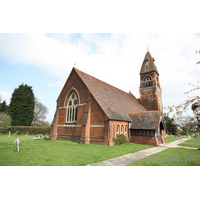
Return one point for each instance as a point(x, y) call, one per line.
point(147, 47)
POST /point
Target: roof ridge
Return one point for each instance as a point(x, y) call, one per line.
point(77, 70)
point(145, 111)
point(103, 93)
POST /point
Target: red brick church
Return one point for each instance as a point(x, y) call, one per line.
point(91, 111)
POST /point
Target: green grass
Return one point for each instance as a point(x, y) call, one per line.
point(58, 152)
point(194, 142)
point(171, 138)
point(171, 157)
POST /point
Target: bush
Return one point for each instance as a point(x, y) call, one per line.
point(33, 130)
point(121, 139)
point(5, 121)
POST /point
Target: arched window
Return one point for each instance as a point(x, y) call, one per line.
point(122, 129)
point(147, 82)
point(125, 129)
point(117, 129)
point(72, 108)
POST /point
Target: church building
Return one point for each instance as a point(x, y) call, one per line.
point(91, 111)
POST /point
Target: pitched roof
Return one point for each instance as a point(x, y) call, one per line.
point(145, 120)
point(151, 65)
point(114, 102)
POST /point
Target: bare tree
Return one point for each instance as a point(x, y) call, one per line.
point(187, 124)
point(194, 102)
point(40, 112)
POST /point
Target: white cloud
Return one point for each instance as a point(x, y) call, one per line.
point(57, 84)
point(114, 58)
point(5, 95)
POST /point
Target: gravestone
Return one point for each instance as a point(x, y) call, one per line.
point(17, 143)
point(16, 133)
point(9, 134)
point(27, 133)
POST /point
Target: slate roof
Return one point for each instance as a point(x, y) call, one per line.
point(148, 120)
point(151, 64)
point(116, 103)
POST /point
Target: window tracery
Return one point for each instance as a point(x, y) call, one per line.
point(72, 108)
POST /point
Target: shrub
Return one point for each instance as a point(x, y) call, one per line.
point(121, 139)
point(33, 130)
point(5, 121)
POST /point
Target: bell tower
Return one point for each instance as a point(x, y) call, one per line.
point(150, 90)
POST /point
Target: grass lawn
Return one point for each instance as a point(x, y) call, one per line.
point(194, 142)
point(174, 156)
point(58, 152)
point(171, 157)
point(171, 138)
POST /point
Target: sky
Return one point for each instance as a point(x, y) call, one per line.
point(45, 60)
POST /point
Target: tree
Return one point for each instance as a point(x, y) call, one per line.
point(3, 107)
point(5, 121)
point(22, 106)
point(40, 112)
point(187, 124)
point(171, 125)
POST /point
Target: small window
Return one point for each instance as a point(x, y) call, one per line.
point(125, 129)
point(148, 82)
point(147, 62)
point(122, 129)
point(117, 129)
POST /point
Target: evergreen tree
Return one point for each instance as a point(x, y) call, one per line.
point(22, 106)
point(171, 126)
point(3, 107)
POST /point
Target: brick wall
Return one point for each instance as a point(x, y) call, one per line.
point(90, 124)
point(145, 140)
point(151, 97)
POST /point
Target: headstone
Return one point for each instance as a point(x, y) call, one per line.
point(9, 134)
point(38, 137)
point(16, 133)
point(17, 143)
point(27, 133)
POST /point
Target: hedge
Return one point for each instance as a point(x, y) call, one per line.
point(33, 130)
